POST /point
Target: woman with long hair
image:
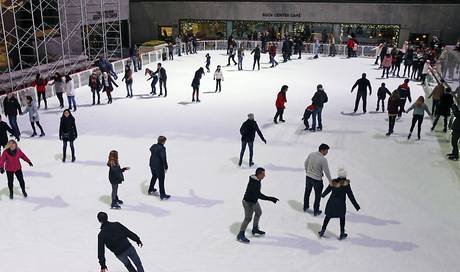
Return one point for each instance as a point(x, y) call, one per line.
point(67, 133)
point(154, 79)
point(107, 83)
point(10, 161)
point(393, 109)
point(419, 108)
point(70, 92)
point(34, 117)
point(128, 78)
point(115, 177)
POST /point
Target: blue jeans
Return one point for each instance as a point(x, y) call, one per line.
point(243, 149)
point(129, 88)
point(71, 100)
point(317, 114)
point(131, 255)
point(14, 124)
point(240, 63)
point(154, 82)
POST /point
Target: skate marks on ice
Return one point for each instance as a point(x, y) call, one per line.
point(140, 208)
point(289, 240)
point(367, 241)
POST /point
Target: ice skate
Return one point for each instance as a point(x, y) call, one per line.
point(343, 236)
point(241, 238)
point(257, 231)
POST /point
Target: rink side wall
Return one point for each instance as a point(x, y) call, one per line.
point(437, 19)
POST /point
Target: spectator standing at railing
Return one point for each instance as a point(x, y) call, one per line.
point(316, 47)
point(350, 45)
point(188, 45)
point(179, 45)
point(436, 94)
point(170, 51)
point(363, 84)
point(443, 109)
point(455, 134)
point(34, 117)
point(95, 84)
point(408, 61)
point(256, 52)
point(331, 41)
point(133, 56)
point(240, 57)
point(107, 83)
point(128, 78)
point(12, 108)
point(162, 76)
point(70, 92)
point(40, 84)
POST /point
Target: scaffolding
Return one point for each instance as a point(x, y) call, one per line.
point(48, 36)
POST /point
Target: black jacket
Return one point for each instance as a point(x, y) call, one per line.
point(319, 98)
point(4, 128)
point(11, 106)
point(116, 174)
point(94, 83)
point(382, 92)
point(67, 129)
point(445, 104)
point(336, 206)
point(248, 131)
point(114, 236)
point(162, 73)
point(256, 52)
point(197, 78)
point(456, 123)
point(363, 84)
point(158, 160)
point(253, 193)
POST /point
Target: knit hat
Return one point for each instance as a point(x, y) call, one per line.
point(319, 87)
point(341, 172)
point(251, 116)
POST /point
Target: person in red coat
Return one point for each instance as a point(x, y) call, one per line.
point(40, 84)
point(10, 161)
point(350, 45)
point(280, 100)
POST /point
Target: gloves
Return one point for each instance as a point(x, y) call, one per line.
point(358, 208)
point(2, 170)
point(265, 141)
point(139, 244)
point(31, 164)
point(273, 199)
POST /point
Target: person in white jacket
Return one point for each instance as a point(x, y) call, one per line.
point(34, 117)
point(218, 77)
point(70, 92)
point(315, 165)
point(378, 52)
point(425, 71)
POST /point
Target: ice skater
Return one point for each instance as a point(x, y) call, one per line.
point(336, 207)
point(59, 87)
point(107, 83)
point(419, 108)
point(154, 79)
point(386, 64)
point(248, 134)
point(280, 101)
point(306, 115)
point(319, 99)
point(436, 94)
point(96, 86)
point(218, 77)
point(455, 134)
point(128, 79)
point(40, 84)
point(404, 95)
point(272, 55)
point(251, 205)
point(34, 117)
point(4, 129)
point(208, 62)
point(231, 55)
point(115, 177)
point(67, 133)
point(363, 84)
point(240, 57)
point(256, 52)
point(10, 161)
point(196, 84)
point(443, 109)
point(158, 167)
point(114, 236)
point(162, 76)
point(70, 92)
point(12, 108)
point(393, 105)
point(315, 165)
point(381, 96)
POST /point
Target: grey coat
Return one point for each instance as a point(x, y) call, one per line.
point(33, 112)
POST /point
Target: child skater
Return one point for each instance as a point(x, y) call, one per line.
point(336, 207)
point(381, 95)
point(115, 177)
point(306, 115)
point(208, 62)
point(154, 79)
point(218, 77)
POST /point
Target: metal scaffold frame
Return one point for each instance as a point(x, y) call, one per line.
point(46, 36)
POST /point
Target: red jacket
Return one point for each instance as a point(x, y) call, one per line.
point(41, 88)
point(350, 43)
point(11, 163)
point(280, 100)
point(273, 51)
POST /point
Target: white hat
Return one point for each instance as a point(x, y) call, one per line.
point(341, 172)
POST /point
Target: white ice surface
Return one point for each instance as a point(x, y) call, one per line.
point(408, 192)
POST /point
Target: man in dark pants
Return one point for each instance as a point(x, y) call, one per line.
point(404, 95)
point(248, 134)
point(162, 78)
point(362, 83)
point(256, 52)
point(12, 108)
point(455, 134)
point(315, 165)
point(114, 236)
point(158, 167)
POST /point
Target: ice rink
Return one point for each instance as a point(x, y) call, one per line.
point(408, 192)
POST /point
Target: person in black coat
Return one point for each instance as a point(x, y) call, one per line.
point(318, 101)
point(114, 236)
point(363, 83)
point(251, 205)
point(4, 128)
point(256, 52)
point(162, 79)
point(115, 177)
point(443, 109)
point(158, 167)
point(248, 134)
point(381, 95)
point(196, 84)
point(336, 206)
point(12, 108)
point(455, 134)
point(67, 133)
